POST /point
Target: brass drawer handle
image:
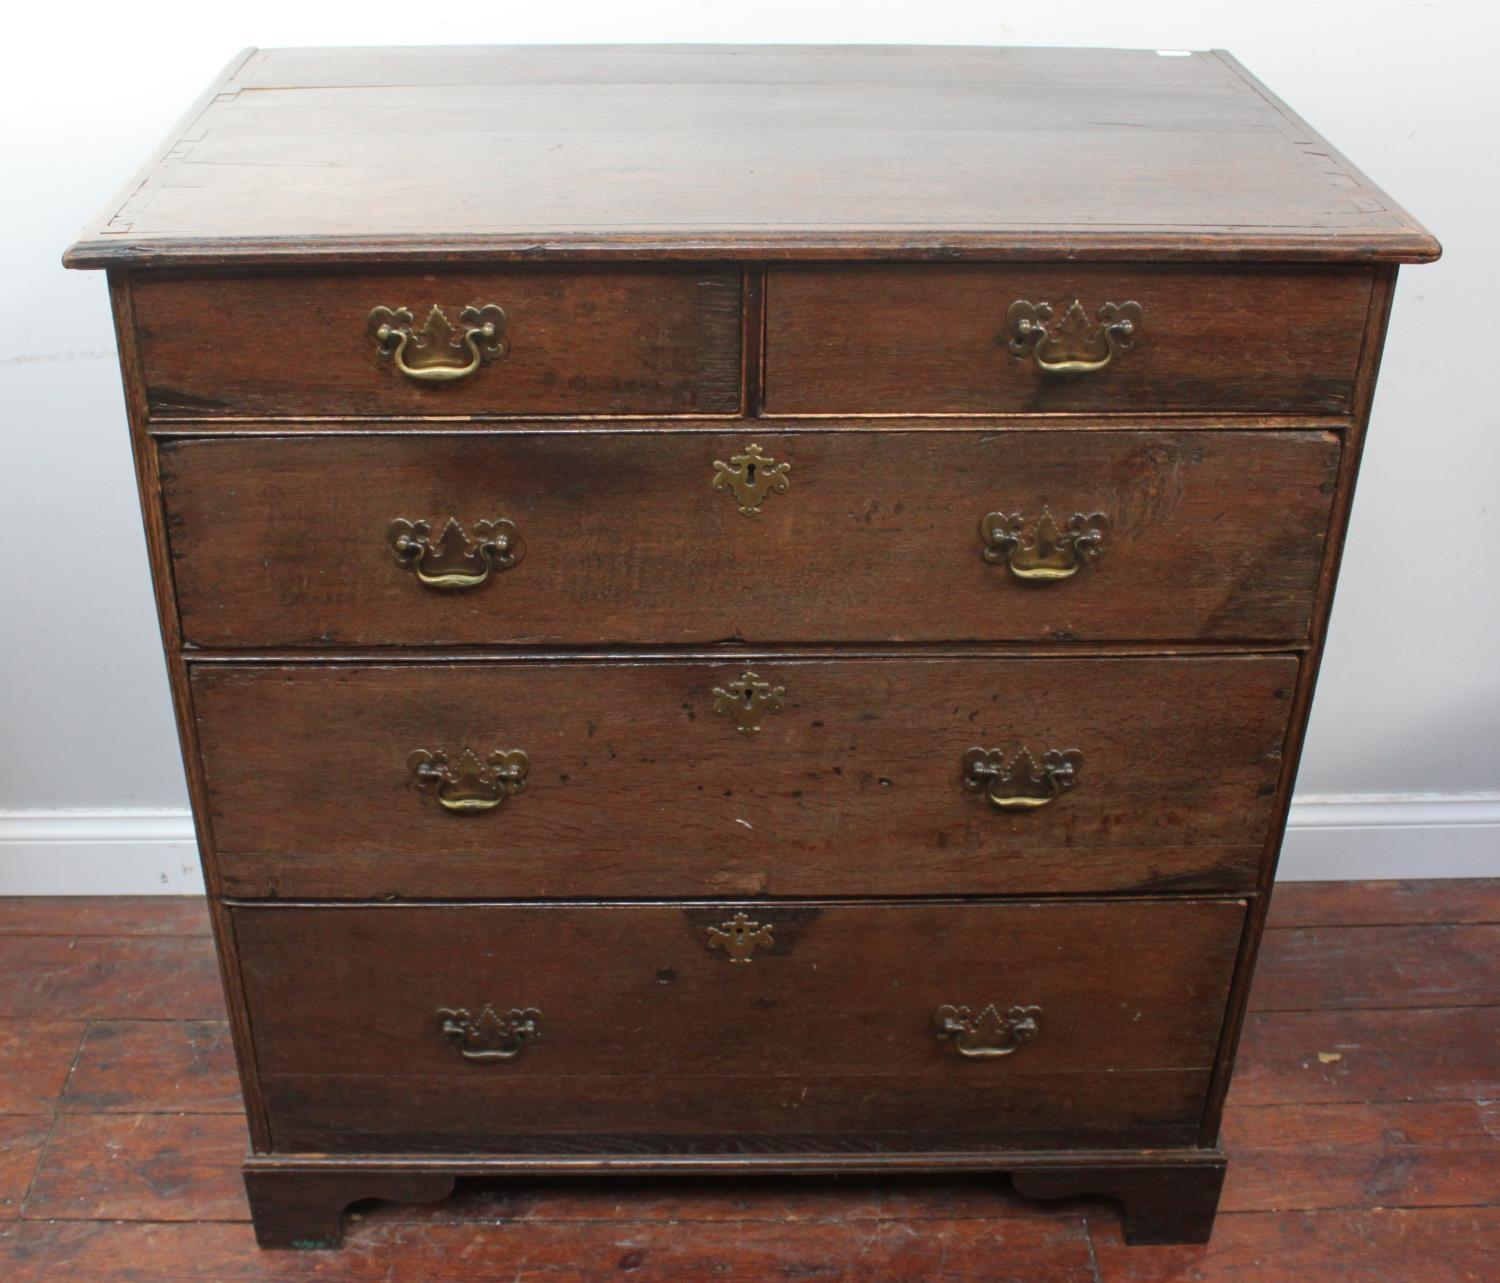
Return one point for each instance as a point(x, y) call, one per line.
point(489, 1035)
point(470, 786)
point(453, 561)
point(989, 1033)
point(1021, 785)
point(435, 353)
point(1074, 345)
point(1047, 554)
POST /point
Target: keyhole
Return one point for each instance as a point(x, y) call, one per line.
point(749, 698)
point(750, 473)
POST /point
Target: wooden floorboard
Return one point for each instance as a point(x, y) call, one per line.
point(154, 1066)
point(35, 1058)
point(1308, 1157)
point(1389, 967)
point(22, 1138)
point(1380, 904)
point(110, 978)
point(1392, 1245)
point(990, 1251)
point(1325, 1057)
point(1363, 1129)
point(141, 1167)
point(119, 915)
point(709, 1200)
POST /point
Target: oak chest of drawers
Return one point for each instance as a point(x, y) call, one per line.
point(739, 609)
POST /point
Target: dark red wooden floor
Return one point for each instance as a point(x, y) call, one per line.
point(1363, 1129)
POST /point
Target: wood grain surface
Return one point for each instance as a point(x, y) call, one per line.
point(142, 1167)
point(638, 788)
point(923, 339)
point(1303, 1131)
point(744, 150)
point(163, 977)
point(1322, 968)
point(617, 340)
point(137, 1066)
point(651, 1037)
point(1212, 536)
point(635, 212)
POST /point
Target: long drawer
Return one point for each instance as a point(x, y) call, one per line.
point(713, 1026)
point(545, 340)
point(769, 775)
point(596, 537)
point(1061, 338)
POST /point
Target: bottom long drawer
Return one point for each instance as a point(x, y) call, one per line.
point(724, 1026)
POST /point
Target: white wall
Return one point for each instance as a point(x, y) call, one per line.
point(1405, 739)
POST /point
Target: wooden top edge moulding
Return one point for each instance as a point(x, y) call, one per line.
point(743, 152)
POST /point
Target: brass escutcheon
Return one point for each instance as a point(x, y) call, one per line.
point(1047, 554)
point(469, 785)
point(1074, 345)
point(740, 937)
point(1020, 785)
point(747, 699)
point(989, 1033)
point(453, 561)
point(489, 1035)
point(752, 476)
point(439, 353)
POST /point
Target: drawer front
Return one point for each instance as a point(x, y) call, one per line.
point(877, 536)
point(918, 339)
point(692, 1027)
point(766, 775)
point(657, 340)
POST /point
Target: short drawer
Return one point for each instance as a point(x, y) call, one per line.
point(762, 775)
point(815, 536)
point(922, 339)
point(561, 340)
point(708, 1026)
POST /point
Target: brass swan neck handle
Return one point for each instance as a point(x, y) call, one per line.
point(435, 353)
point(1021, 783)
point(1073, 345)
point(469, 784)
point(988, 1033)
point(489, 1036)
point(1045, 554)
point(452, 561)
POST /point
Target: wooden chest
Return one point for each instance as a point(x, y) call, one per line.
point(743, 609)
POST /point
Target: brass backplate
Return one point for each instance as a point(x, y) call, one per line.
point(468, 784)
point(1020, 783)
point(1043, 554)
point(747, 700)
point(1075, 344)
point(740, 937)
point(438, 351)
point(451, 560)
point(489, 1035)
point(751, 476)
point(988, 1032)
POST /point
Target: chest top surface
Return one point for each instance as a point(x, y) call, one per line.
point(331, 155)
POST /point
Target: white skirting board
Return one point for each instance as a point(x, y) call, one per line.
point(115, 852)
point(152, 852)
